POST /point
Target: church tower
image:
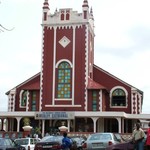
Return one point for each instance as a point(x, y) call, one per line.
point(67, 58)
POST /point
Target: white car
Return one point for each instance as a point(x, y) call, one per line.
point(28, 143)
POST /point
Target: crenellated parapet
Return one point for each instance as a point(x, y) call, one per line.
point(67, 16)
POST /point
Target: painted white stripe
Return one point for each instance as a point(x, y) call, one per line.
point(73, 62)
point(62, 106)
point(54, 62)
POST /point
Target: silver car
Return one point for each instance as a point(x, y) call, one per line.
point(28, 143)
point(99, 141)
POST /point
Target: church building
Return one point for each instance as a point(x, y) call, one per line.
point(70, 89)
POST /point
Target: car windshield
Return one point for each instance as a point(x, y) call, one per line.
point(52, 138)
point(117, 137)
point(100, 137)
point(76, 138)
point(5, 142)
point(22, 141)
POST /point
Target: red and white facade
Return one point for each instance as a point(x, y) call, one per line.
point(71, 84)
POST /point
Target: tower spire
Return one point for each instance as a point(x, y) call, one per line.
point(45, 9)
point(91, 13)
point(85, 4)
point(46, 5)
point(85, 8)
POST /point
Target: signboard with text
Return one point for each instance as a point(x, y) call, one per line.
point(54, 115)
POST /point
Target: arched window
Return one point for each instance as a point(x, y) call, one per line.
point(118, 97)
point(33, 100)
point(64, 80)
point(67, 15)
point(62, 15)
point(24, 98)
point(94, 100)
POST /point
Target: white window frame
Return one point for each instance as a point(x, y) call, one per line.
point(110, 95)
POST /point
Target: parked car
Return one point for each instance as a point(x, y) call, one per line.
point(28, 143)
point(17, 146)
point(53, 142)
point(125, 145)
point(8, 144)
point(99, 141)
point(79, 141)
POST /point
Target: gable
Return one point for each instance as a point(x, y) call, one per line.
point(31, 83)
point(108, 80)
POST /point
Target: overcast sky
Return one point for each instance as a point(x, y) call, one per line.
point(122, 41)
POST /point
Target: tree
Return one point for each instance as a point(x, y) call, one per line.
point(26, 121)
point(2, 28)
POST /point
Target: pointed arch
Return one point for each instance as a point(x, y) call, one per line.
point(23, 98)
point(63, 60)
point(63, 80)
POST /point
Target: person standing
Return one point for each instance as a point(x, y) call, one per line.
point(148, 138)
point(138, 136)
point(66, 142)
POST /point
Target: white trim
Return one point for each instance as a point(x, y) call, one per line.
point(41, 75)
point(62, 105)
point(134, 94)
point(57, 64)
point(86, 67)
point(73, 62)
point(63, 99)
point(140, 104)
point(80, 114)
point(20, 98)
point(54, 62)
point(27, 103)
point(11, 100)
point(64, 41)
point(110, 96)
point(62, 60)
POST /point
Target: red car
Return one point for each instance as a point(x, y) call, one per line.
point(53, 142)
point(121, 146)
point(125, 146)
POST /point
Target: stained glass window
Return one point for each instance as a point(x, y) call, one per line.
point(94, 101)
point(64, 80)
point(24, 98)
point(33, 105)
point(118, 92)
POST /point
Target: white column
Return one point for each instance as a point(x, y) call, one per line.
point(119, 124)
point(68, 125)
point(94, 123)
point(122, 125)
point(43, 127)
point(18, 123)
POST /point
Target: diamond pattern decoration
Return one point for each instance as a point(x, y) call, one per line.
point(64, 41)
